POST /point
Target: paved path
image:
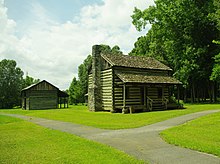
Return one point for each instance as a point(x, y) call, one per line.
point(143, 143)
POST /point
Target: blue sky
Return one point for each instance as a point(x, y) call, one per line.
point(49, 39)
point(62, 10)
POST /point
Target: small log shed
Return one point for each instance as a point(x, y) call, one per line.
point(43, 95)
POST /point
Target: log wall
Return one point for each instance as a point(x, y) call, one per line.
point(118, 92)
point(42, 99)
point(41, 96)
point(106, 85)
point(135, 93)
point(152, 92)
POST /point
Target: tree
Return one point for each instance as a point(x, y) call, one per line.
point(11, 78)
point(83, 76)
point(116, 50)
point(216, 68)
point(75, 95)
point(107, 49)
point(181, 36)
point(29, 81)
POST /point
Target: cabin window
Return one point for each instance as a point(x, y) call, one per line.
point(160, 93)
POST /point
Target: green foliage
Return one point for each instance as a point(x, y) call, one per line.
point(181, 36)
point(116, 50)
point(201, 134)
point(83, 70)
point(216, 69)
point(107, 49)
point(75, 95)
point(29, 81)
point(25, 142)
point(106, 120)
point(10, 83)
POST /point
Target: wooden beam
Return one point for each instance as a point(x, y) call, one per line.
point(145, 96)
point(60, 102)
point(178, 94)
point(64, 102)
point(124, 95)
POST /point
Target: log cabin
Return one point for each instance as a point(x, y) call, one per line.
point(43, 95)
point(128, 83)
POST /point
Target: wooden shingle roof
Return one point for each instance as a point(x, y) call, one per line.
point(143, 78)
point(134, 62)
point(60, 93)
point(33, 85)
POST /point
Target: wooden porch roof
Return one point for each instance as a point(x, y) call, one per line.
point(146, 79)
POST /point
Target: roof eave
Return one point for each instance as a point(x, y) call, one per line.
point(106, 59)
point(156, 83)
point(156, 69)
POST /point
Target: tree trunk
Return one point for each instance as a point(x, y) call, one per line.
point(193, 92)
point(185, 94)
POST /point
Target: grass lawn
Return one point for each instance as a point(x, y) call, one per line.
point(25, 142)
point(107, 120)
point(202, 134)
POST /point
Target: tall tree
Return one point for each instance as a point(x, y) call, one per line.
point(83, 76)
point(181, 36)
point(11, 78)
point(216, 68)
point(75, 95)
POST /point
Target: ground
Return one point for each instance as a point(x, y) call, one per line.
point(114, 135)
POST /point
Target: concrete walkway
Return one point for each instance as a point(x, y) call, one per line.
point(143, 143)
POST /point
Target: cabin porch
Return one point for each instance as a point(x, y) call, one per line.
point(145, 97)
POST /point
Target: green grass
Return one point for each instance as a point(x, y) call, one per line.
point(25, 142)
point(107, 120)
point(202, 134)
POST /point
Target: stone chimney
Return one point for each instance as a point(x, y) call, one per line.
point(95, 91)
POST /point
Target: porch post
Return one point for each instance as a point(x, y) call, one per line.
point(124, 99)
point(67, 103)
point(60, 102)
point(124, 95)
point(178, 94)
point(145, 96)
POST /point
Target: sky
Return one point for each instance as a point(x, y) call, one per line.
point(49, 39)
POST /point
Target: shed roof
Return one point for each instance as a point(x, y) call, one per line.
point(60, 93)
point(31, 86)
point(143, 78)
point(135, 62)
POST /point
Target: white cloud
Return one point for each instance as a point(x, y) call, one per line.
point(53, 51)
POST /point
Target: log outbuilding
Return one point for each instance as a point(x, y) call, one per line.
point(43, 95)
point(121, 83)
